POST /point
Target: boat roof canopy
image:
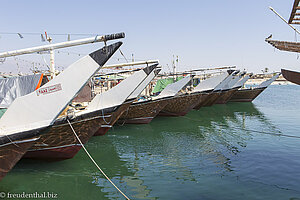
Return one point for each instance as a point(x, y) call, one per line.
point(295, 16)
point(284, 45)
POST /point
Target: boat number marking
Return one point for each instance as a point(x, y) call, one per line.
point(48, 90)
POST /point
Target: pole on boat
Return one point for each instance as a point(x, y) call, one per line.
point(52, 60)
point(130, 64)
point(60, 45)
point(52, 64)
point(272, 9)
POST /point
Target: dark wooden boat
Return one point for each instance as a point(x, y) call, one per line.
point(225, 96)
point(61, 143)
point(207, 87)
point(211, 99)
point(114, 117)
point(235, 84)
point(106, 127)
point(180, 105)
point(32, 115)
point(143, 112)
point(12, 152)
point(246, 95)
point(204, 98)
point(291, 76)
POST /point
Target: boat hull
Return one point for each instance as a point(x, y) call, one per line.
point(225, 96)
point(143, 112)
point(291, 76)
point(115, 117)
point(203, 98)
point(60, 142)
point(180, 105)
point(211, 99)
point(11, 153)
point(246, 95)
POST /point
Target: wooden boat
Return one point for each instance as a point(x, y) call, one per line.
point(210, 99)
point(291, 76)
point(143, 111)
point(134, 95)
point(206, 88)
point(30, 116)
point(218, 91)
point(230, 88)
point(180, 105)
point(61, 143)
point(249, 94)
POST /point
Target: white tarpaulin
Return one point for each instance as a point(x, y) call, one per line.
point(14, 87)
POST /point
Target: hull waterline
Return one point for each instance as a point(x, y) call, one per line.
point(246, 95)
point(180, 105)
point(203, 98)
point(11, 153)
point(225, 96)
point(143, 112)
point(291, 76)
point(61, 143)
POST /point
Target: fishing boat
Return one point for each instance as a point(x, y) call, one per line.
point(104, 128)
point(144, 110)
point(213, 96)
point(181, 104)
point(30, 116)
point(249, 94)
point(219, 89)
point(207, 86)
point(229, 88)
point(60, 141)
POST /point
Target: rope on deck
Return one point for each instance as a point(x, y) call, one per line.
point(95, 161)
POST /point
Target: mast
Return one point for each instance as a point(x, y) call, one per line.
point(52, 60)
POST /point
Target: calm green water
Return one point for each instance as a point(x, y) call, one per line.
point(209, 157)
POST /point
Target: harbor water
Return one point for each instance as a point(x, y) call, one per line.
point(231, 151)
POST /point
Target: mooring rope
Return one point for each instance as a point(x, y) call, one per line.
point(251, 130)
point(122, 123)
point(12, 141)
point(95, 161)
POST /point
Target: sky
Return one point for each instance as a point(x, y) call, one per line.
point(201, 33)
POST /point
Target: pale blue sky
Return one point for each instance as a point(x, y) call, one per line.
point(202, 33)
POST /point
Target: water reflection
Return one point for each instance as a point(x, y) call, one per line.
point(171, 158)
point(186, 148)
